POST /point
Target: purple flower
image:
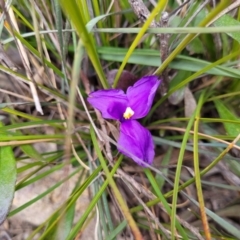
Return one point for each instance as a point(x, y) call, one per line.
point(134, 141)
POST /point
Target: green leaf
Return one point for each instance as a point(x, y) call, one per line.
point(232, 129)
point(228, 21)
point(7, 179)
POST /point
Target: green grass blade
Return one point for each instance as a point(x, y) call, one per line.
point(178, 173)
point(76, 16)
point(197, 170)
point(92, 204)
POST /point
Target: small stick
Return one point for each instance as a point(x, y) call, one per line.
point(141, 11)
point(164, 38)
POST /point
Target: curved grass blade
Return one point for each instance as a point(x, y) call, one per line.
point(178, 172)
point(197, 171)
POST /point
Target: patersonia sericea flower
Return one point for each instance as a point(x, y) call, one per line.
point(134, 141)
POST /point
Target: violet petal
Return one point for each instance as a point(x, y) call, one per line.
point(111, 103)
point(136, 142)
point(140, 95)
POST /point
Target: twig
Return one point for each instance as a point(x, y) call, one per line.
point(164, 39)
point(141, 11)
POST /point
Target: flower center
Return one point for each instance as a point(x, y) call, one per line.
point(128, 113)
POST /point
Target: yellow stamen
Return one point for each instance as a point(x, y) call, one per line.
point(128, 113)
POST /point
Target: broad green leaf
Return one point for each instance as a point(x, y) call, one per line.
point(7, 179)
point(225, 113)
point(228, 21)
